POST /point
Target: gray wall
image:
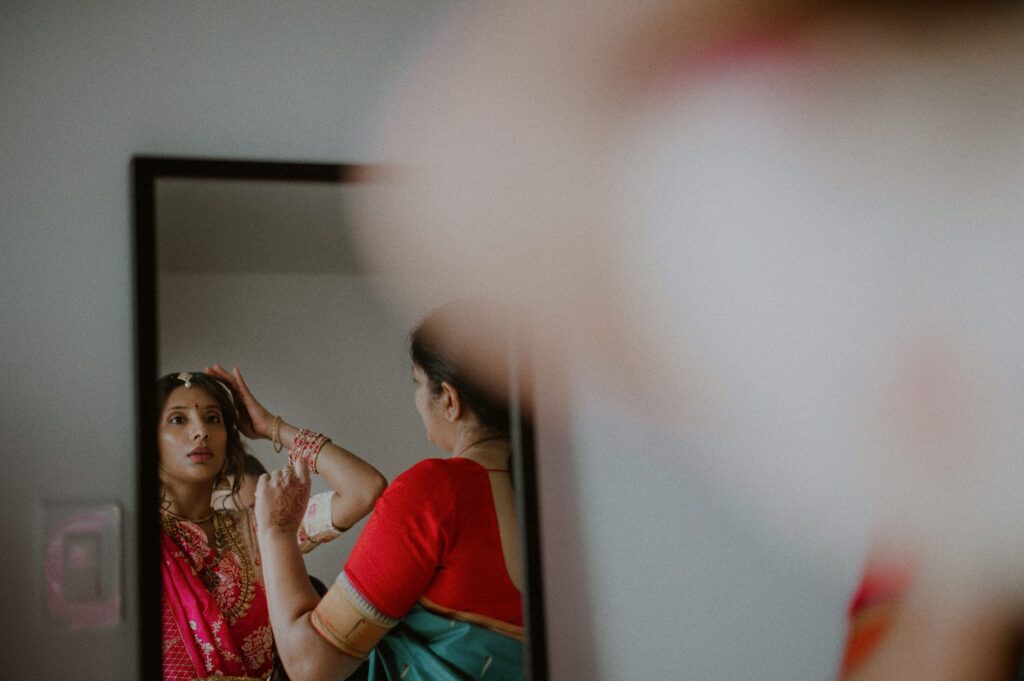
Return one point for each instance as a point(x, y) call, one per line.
point(84, 87)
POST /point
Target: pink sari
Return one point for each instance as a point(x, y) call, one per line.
point(215, 619)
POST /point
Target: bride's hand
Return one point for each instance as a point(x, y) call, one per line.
point(254, 420)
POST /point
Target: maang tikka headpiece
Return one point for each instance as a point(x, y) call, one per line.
point(186, 378)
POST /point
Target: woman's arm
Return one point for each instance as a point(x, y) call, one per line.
point(281, 499)
point(357, 484)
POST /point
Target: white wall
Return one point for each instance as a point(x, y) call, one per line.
point(85, 86)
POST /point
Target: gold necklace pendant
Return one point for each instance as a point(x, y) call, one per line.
point(226, 536)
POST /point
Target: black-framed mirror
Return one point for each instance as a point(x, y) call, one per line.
point(253, 263)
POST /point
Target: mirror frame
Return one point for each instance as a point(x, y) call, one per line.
point(146, 172)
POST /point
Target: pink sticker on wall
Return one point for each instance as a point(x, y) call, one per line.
point(82, 564)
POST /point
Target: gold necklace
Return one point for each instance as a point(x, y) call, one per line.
point(180, 518)
point(225, 538)
point(480, 442)
point(224, 529)
point(486, 467)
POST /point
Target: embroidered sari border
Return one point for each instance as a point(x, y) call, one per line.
point(347, 621)
point(317, 525)
point(498, 626)
point(363, 604)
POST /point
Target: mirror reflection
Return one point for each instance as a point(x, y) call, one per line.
point(290, 395)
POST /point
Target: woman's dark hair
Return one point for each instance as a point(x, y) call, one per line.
point(466, 344)
point(253, 467)
point(234, 463)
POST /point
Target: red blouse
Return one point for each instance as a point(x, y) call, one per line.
point(433, 538)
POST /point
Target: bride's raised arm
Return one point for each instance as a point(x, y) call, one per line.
point(356, 483)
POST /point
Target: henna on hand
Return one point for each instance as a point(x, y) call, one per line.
point(289, 504)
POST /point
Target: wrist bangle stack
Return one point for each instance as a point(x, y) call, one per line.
point(275, 435)
point(306, 446)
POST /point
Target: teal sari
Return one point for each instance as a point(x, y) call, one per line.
point(429, 647)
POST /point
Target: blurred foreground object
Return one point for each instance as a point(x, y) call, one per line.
point(791, 234)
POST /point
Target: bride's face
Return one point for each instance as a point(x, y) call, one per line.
point(192, 437)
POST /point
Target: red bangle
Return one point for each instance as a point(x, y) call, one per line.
point(306, 446)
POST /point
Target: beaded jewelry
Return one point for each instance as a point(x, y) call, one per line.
point(306, 446)
point(225, 533)
point(225, 537)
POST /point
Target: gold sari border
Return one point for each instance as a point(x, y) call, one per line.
point(498, 626)
point(368, 609)
point(340, 621)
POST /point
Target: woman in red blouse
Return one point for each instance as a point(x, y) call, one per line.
point(432, 587)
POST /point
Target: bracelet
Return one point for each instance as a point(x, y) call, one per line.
point(313, 451)
point(306, 446)
point(275, 435)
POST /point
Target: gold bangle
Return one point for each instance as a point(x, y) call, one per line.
point(306, 445)
point(275, 434)
point(316, 455)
